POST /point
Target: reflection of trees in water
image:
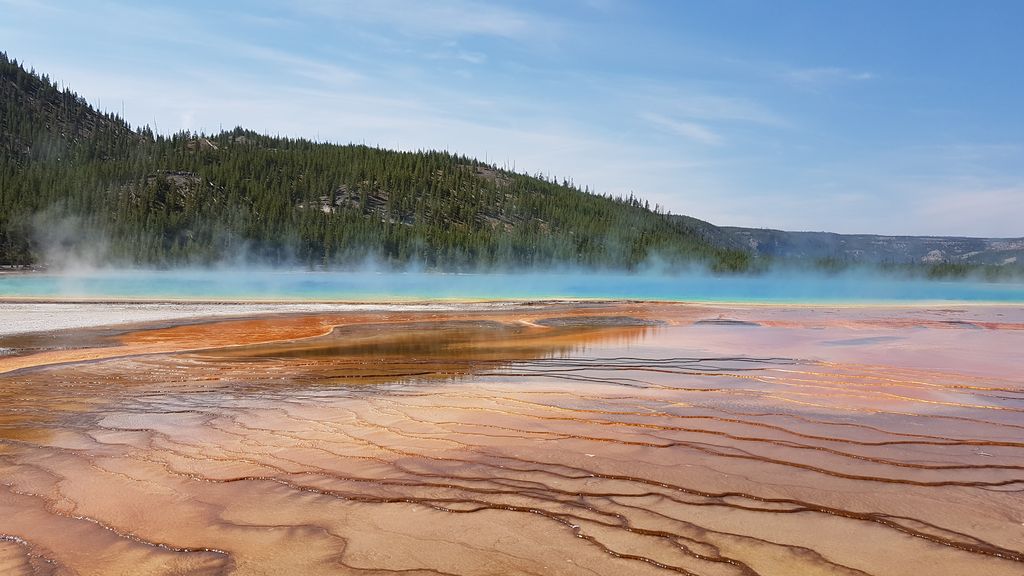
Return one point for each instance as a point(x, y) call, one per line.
point(379, 353)
point(33, 402)
point(473, 339)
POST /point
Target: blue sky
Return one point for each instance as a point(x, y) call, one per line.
point(849, 116)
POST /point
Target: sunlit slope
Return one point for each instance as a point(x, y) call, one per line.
point(79, 183)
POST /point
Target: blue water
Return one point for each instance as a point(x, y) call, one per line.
point(371, 286)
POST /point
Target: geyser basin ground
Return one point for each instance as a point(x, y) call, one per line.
point(543, 439)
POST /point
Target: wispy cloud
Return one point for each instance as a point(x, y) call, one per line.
point(452, 51)
point(313, 69)
point(437, 18)
point(690, 130)
point(724, 108)
point(471, 57)
point(33, 5)
point(963, 156)
point(817, 78)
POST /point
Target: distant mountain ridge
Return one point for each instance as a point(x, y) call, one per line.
point(862, 248)
point(878, 249)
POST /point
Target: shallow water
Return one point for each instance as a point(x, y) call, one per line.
point(367, 286)
point(629, 439)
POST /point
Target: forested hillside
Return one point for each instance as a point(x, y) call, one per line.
point(74, 179)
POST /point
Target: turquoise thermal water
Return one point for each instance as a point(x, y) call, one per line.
point(240, 284)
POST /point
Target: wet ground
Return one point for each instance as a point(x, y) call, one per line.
point(554, 439)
